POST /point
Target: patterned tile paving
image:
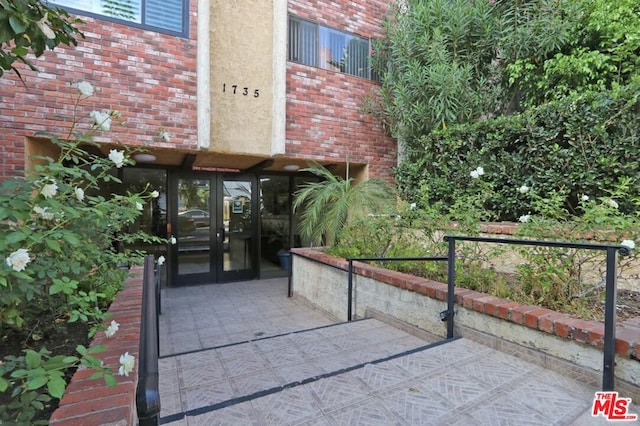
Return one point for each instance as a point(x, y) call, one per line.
point(244, 365)
point(170, 403)
point(416, 406)
point(320, 348)
point(289, 355)
point(507, 413)
point(338, 391)
point(200, 376)
point(553, 402)
point(246, 385)
point(455, 387)
point(210, 394)
point(298, 372)
point(287, 407)
point(420, 363)
point(492, 373)
point(240, 414)
point(379, 377)
point(368, 413)
point(458, 383)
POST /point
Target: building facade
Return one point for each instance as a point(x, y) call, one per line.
point(227, 100)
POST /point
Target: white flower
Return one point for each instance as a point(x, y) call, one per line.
point(585, 198)
point(161, 260)
point(155, 194)
point(479, 171)
point(165, 135)
point(101, 120)
point(117, 157)
point(139, 206)
point(49, 190)
point(413, 206)
point(85, 88)
point(524, 218)
point(612, 203)
point(523, 189)
point(42, 212)
point(111, 330)
point(18, 259)
point(126, 364)
point(44, 27)
point(628, 243)
point(173, 240)
point(79, 194)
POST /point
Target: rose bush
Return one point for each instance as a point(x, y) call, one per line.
point(64, 229)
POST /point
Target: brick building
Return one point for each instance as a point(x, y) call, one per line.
point(227, 99)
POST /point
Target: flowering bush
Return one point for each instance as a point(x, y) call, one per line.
point(62, 242)
point(568, 280)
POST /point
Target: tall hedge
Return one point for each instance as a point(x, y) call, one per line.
point(579, 145)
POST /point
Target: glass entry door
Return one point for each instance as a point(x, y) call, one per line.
point(212, 220)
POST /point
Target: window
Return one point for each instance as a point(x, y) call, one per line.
point(161, 15)
point(327, 48)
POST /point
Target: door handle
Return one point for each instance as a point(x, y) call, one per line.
point(221, 234)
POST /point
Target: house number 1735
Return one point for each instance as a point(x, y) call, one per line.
point(237, 90)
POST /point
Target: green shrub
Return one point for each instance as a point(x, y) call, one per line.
point(583, 144)
point(57, 238)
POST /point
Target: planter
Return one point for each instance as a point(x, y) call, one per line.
point(92, 402)
point(322, 280)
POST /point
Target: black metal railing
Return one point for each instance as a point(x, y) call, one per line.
point(612, 250)
point(147, 392)
point(350, 260)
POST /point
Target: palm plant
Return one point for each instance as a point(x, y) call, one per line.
point(333, 202)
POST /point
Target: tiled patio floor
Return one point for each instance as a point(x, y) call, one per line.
point(245, 354)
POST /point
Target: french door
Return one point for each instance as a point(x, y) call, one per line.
point(213, 219)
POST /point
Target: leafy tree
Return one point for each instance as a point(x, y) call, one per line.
point(601, 52)
point(333, 202)
point(436, 65)
point(30, 26)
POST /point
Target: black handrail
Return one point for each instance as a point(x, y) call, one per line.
point(608, 377)
point(380, 259)
point(147, 392)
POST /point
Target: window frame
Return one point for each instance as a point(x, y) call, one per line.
point(185, 18)
point(370, 74)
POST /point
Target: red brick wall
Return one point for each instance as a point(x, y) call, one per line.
point(92, 402)
point(324, 117)
point(149, 77)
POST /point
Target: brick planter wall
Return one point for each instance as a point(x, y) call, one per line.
point(91, 402)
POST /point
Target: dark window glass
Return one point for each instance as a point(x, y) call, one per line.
point(328, 48)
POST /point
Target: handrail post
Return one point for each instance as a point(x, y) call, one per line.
point(608, 377)
point(290, 276)
point(451, 277)
point(350, 290)
point(147, 391)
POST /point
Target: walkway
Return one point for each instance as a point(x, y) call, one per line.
point(245, 354)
